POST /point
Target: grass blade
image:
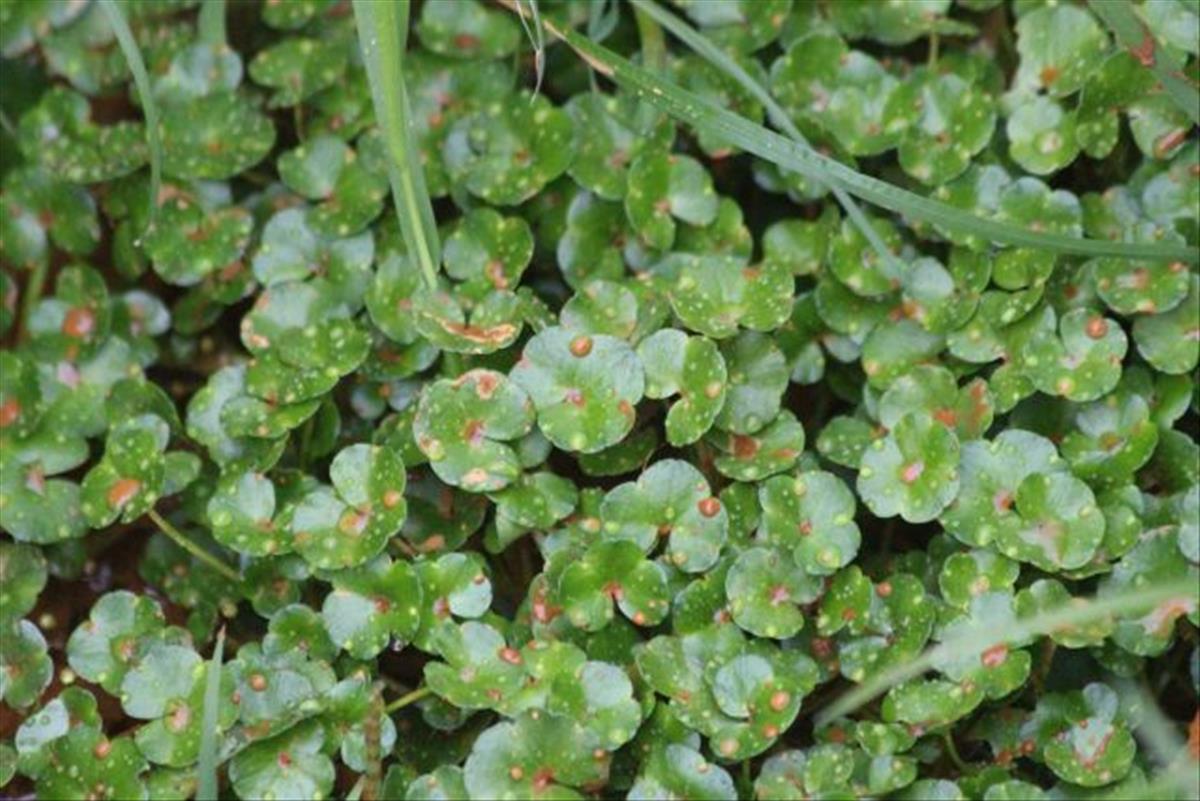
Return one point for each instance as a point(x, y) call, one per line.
point(1133, 34)
point(141, 79)
point(764, 143)
point(206, 769)
point(779, 118)
point(979, 639)
point(382, 34)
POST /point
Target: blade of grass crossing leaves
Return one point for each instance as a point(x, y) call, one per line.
point(212, 22)
point(206, 769)
point(382, 32)
point(779, 118)
point(979, 639)
point(141, 79)
point(764, 143)
point(1161, 738)
point(1133, 34)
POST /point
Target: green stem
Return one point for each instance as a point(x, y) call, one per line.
point(212, 23)
point(306, 433)
point(654, 46)
point(408, 699)
point(195, 550)
point(141, 79)
point(747, 782)
point(33, 293)
point(382, 32)
point(934, 42)
point(952, 750)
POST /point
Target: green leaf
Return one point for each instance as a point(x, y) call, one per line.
point(480, 670)
point(765, 589)
point(214, 137)
point(1092, 749)
point(713, 295)
point(347, 524)
point(1059, 47)
point(663, 188)
point(25, 666)
point(672, 499)
point(770, 450)
point(289, 765)
point(691, 367)
point(371, 605)
point(507, 152)
point(611, 131)
point(120, 627)
point(583, 387)
point(812, 515)
point(536, 755)
point(22, 575)
point(462, 426)
point(103, 767)
point(298, 67)
point(59, 135)
point(678, 771)
point(1168, 340)
point(912, 472)
point(1082, 362)
point(613, 572)
point(467, 30)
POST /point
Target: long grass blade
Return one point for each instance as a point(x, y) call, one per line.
point(1160, 737)
point(778, 116)
point(206, 769)
point(978, 639)
point(141, 79)
point(764, 143)
point(382, 34)
point(1133, 34)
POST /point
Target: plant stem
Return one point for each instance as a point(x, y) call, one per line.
point(654, 46)
point(195, 550)
point(33, 293)
point(372, 777)
point(952, 750)
point(934, 42)
point(212, 23)
point(407, 699)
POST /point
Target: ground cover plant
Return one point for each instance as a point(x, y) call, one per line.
point(706, 399)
